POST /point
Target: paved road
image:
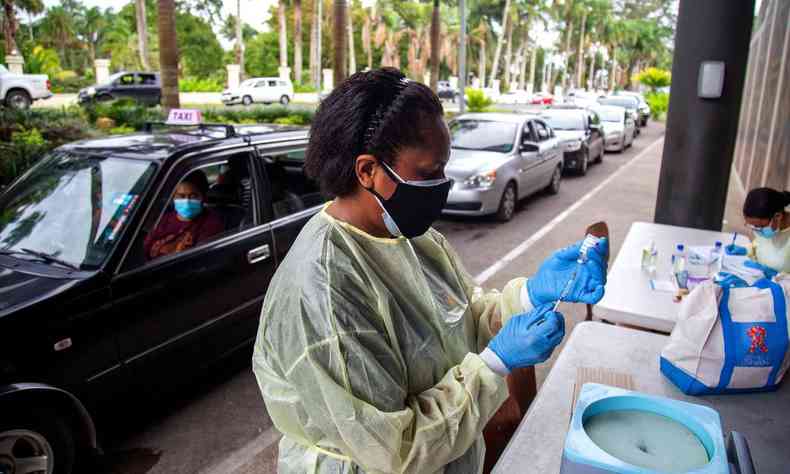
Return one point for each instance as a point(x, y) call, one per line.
point(221, 425)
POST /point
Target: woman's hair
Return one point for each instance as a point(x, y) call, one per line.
point(379, 112)
point(199, 180)
point(764, 203)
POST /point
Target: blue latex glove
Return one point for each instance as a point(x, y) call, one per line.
point(588, 287)
point(733, 249)
point(530, 338)
point(767, 271)
point(728, 280)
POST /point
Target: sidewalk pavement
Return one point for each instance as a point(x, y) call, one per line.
point(629, 197)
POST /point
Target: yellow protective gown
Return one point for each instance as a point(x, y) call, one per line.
point(366, 354)
point(773, 252)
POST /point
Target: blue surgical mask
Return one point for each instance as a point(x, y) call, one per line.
point(766, 232)
point(188, 209)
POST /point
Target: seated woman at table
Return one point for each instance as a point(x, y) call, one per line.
point(188, 223)
point(765, 212)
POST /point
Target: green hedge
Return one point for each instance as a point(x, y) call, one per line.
point(26, 135)
point(659, 104)
point(193, 84)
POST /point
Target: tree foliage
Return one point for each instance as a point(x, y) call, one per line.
point(654, 78)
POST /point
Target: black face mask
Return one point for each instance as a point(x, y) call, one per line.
point(414, 205)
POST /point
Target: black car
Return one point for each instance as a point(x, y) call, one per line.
point(446, 91)
point(143, 87)
point(87, 316)
point(580, 134)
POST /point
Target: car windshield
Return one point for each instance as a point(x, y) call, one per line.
point(609, 115)
point(249, 83)
point(71, 208)
point(564, 121)
point(627, 102)
point(115, 77)
point(484, 135)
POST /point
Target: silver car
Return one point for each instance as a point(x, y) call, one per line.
point(617, 125)
point(497, 159)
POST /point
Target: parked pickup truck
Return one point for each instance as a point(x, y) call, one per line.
point(18, 91)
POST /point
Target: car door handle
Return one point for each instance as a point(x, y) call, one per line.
point(259, 254)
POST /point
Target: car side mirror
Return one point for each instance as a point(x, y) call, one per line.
point(529, 147)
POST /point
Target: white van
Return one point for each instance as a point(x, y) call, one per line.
point(265, 90)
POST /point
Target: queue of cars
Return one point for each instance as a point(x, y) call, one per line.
point(499, 158)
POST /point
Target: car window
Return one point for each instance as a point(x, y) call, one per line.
point(260, 84)
point(530, 135)
point(483, 135)
point(73, 207)
point(594, 119)
point(282, 84)
point(272, 83)
point(209, 201)
point(146, 79)
point(542, 131)
point(289, 189)
point(565, 120)
point(126, 80)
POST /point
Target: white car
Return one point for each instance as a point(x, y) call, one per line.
point(264, 90)
point(515, 97)
point(18, 91)
point(617, 125)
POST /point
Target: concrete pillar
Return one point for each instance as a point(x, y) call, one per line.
point(476, 83)
point(102, 70)
point(15, 64)
point(234, 75)
point(453, 82)
point(496, 85)
point(700, 133)
point(329, 80)
point(285, 72)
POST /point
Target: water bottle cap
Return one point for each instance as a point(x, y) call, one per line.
point(681, 247)
point(718, 243)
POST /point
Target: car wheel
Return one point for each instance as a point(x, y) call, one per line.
point(556, 179)
point(246, 100)
point(284, 100)
point(600, 156)
point(582, 171)
point(40, 444)
point(507, 205)
point(18, 100)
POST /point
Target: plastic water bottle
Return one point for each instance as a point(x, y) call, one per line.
point(679, 266)
point(716, 258)
point(650, 257)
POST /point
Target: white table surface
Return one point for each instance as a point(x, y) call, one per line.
point(629, 299)
point(537, 445)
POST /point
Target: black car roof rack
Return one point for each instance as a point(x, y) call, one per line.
point(230, 130)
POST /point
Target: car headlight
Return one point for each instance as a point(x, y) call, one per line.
point(573, 145)
point(90, 91)
point(482, 180)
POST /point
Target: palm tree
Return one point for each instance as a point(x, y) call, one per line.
point(9, 26)
point(239, 39)
point(283, 34)
point(31, 7)
point(352, 57)
point(367, 36)
point(90, 24)
point(59, 25)
point(168, 53)
point(480, 34)
point(142, 34)
point(435, 40)
point(315, 44)
point(580, 50)
point(339, 35)
point(499, 43)
point(509, 51)
point(298, 41)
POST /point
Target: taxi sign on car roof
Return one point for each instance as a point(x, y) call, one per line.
point(184, 117)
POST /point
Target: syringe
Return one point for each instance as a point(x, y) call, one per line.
point(589, 242)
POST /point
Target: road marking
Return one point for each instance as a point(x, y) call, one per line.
point(244, 455)
point(486, 274)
